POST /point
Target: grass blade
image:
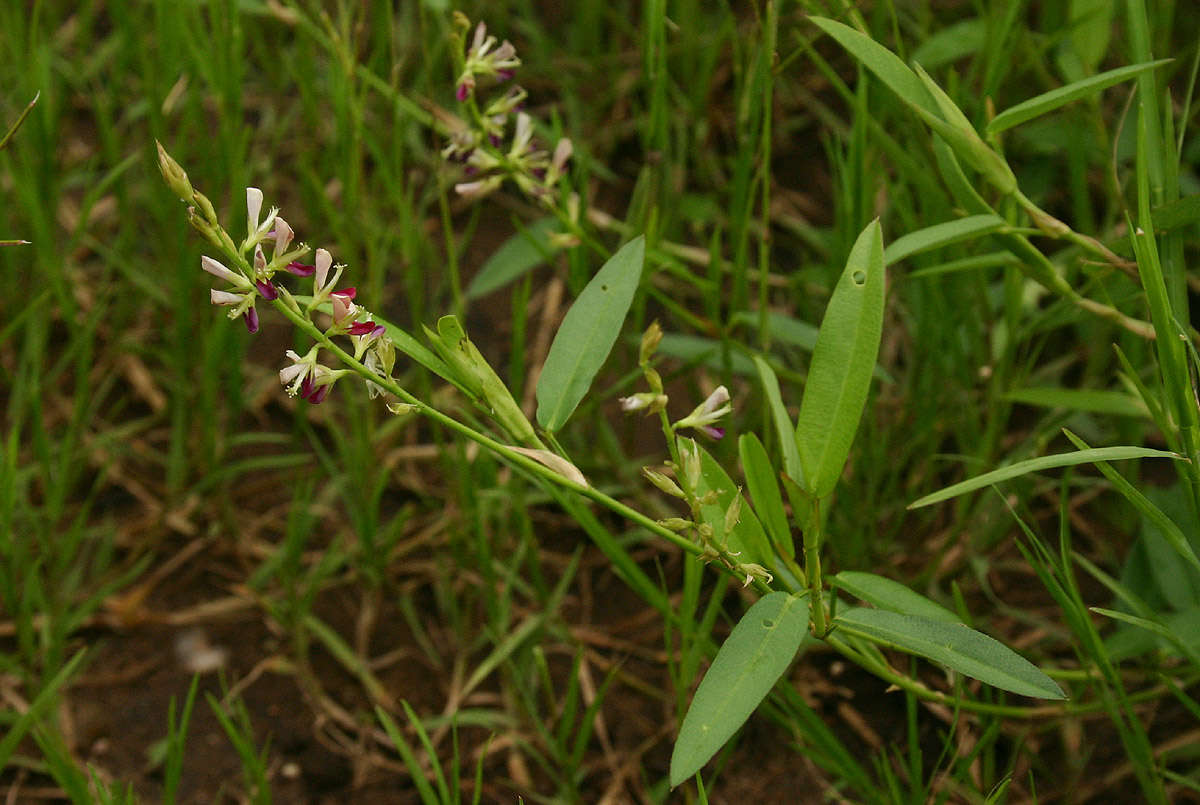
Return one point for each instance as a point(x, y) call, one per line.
point(1049, 101)
point(1039, 464)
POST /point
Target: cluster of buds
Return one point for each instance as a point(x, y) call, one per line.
point(479, 144)
point(683, 481)
point(704, 417)
point(253, 277)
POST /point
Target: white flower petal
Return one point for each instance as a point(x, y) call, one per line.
point(215, 268)
point(289, 373)
point(225, 297)
point(254, 200)
point(324, 261)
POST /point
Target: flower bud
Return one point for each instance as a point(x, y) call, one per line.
point(174, 175)
point(664, 483)
point(650, 341)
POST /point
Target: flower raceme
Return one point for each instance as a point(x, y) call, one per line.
point(479, 144)
point(252, 275)
point(484, 58)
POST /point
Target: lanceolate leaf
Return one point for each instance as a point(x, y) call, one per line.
point(954, 645)
point(746, 539)
point(758, 651)
point(519, 254)
point(938, 235)
point(891, 595)
point(764, 491)
point(1049, 101)
point(587, 335)
point(783, 423)
point(886, 65)
point(843, 359)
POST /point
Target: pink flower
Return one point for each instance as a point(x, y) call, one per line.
point(242, 304)
point(343, 307)
point(307, 378)
point(704, 417)
point(241, 297)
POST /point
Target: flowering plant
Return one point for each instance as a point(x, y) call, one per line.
point(751, 540)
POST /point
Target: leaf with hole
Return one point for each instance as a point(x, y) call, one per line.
point(842, 364)
point(759, 649)
point(587, 335)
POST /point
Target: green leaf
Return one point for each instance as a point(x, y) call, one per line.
point(757, 652)
point(764, 491)
point(782, 327)
point(477, 378)
point(886, 65)
point(1112, 403)
point(954, 645)
point(952, 43)
point(746, 538)
point(1049, 101)
point(783, 423)
point(893, 596)
point(1039, 464)
point(1091, 27)
point(843, 359)
point(587, 335)
point(786, 330)
point(520, 254)
point(1177, 214)
point(939, 235)
point(696, 349)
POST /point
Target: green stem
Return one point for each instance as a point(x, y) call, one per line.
point(504, 451)
point(887, 674)
point(812, 569)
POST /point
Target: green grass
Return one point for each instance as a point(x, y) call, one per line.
point(398, 599)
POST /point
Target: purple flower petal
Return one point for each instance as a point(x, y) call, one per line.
point(267, 290)
point(252, 320)
point(463, 92)
point(318, 396)
point(713, 433)
point(300, 269)
point(361, 328)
